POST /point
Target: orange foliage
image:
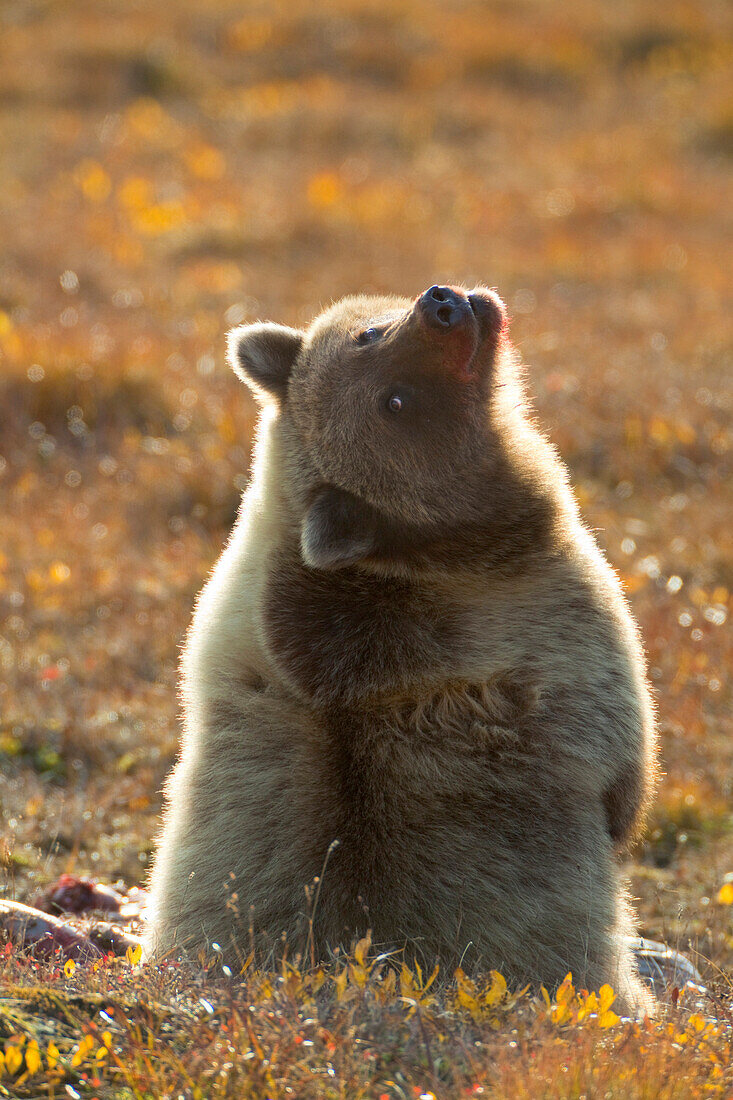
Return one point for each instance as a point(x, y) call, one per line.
point(174, 169)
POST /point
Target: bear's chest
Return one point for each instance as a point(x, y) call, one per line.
point(415, 767)
point(423, 797)
point(341, 638)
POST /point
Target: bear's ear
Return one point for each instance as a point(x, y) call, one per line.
point(338, 530)
point(263, 355)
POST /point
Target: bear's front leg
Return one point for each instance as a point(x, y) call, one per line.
point(340, 637)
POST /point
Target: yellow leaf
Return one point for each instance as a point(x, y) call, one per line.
point(407, 982)
point(467, 1000)
point(659, 431)
point(161, 217)
point(52, 1055)
point(59, 572)
point(387, 986)
point(359, 975)
point(431, 979)
point(361, 949)
point(589, 1006)
point(608, 1019)
point(13, 1059)
point(545, 997)
point(134, 954)
point(324, 190)
point(93, 181)
point(560, 1014)
point(566, 991)
point(698, 596)
point(33, 1057)
point(135, 193)
point(205, 162)
point(725, 894)
point(82, 1051)
point(340, 982)
point(148, 119)
point(69, 967)
point(697, 1021)
point(606, 997)
point(497, 990)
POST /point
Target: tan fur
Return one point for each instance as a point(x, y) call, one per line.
point(413, 646)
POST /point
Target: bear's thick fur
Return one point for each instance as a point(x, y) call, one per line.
point(411, 645)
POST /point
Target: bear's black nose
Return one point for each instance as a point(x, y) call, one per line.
point(444, 308)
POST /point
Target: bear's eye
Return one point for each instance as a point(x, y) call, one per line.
point(368, 336)
point(401, 401)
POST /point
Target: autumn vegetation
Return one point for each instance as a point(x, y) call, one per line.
point(169, 170)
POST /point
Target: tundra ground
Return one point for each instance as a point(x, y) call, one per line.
point(169, 171)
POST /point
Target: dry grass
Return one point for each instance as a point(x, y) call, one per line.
point(358, 1030)
point(171, 169)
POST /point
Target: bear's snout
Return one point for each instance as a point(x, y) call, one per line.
point(444, 308)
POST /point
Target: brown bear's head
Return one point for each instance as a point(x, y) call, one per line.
point(385, 405)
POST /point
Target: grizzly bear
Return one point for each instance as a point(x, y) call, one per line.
point(412, 676)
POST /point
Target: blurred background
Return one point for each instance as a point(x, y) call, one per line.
point(169, 170)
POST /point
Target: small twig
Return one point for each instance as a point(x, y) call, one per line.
point(310, 944)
